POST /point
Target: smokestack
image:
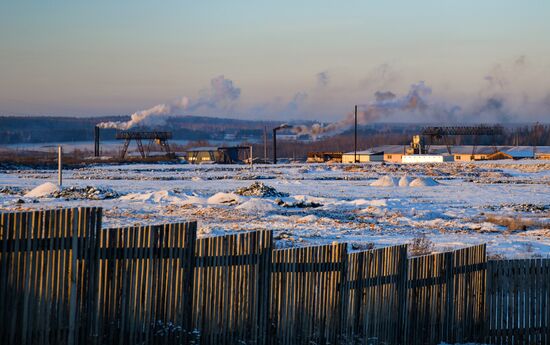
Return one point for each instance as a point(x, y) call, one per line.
point(96, 141)
point(283, 126)
point(355, 138)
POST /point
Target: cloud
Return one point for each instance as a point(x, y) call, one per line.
point(323, 79)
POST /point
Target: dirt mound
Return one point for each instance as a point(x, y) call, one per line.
point(88, 192)
point(261, 190)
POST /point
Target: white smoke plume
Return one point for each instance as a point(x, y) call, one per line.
point(221, 95)
point(152, 117)
point(385, 104)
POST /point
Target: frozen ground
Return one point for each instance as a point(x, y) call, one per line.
point(319, 203)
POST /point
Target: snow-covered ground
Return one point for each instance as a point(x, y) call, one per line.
point(452, 204)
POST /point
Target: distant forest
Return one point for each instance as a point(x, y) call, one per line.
point(39, 129)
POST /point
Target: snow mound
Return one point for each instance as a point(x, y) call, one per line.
point(308, 219)
point(43, 190)
point(423, 182)
point(405, 181)
point(385, 181)
point(224, 199)
point(257, 205)
point(161, 196)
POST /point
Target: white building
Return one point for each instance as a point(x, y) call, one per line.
point(426, 158)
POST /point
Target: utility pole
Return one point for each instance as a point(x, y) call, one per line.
point(60, 166)
point(274, 145)
point(355, 138)
point(265, 144)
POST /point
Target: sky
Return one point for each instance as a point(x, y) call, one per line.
point(278, 59)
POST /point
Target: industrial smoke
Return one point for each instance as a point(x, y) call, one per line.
point(385, 104)
point(221, 95)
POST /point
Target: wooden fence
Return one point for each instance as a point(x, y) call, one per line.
point(518, 301)
point(445, 297)
point(65, 280)
point(376, 296)
point(230, 288)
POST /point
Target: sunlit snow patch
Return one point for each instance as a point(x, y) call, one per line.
point(385, 181)
point(423, 182)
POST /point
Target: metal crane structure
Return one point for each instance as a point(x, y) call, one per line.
point(438, 133)
point(160, 138)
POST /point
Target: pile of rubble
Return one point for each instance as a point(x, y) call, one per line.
point(298, 203)
point(9, 190)
point(260, 190)
point(88, 192)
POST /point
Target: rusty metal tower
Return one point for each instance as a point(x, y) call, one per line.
point(160, 138)
point(438, 133)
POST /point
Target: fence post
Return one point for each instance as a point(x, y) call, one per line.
point(448, 320)
point(402, 310)
point(264, 286)
point(188, 262)
point(343, 293)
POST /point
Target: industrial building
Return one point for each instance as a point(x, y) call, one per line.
point(324, 157)
point(460, 153)
point(220, 155)
point(363, 156)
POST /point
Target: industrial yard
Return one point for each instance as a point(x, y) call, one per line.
point(434, 206)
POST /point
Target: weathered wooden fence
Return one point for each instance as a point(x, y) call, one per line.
point(143, 291)
point(376, 296)
point(445, 297)
point(44, 275)
point(307, 288)
point(231, 288)
point(65, 280)
point(518, 301)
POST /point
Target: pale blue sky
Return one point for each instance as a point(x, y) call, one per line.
point(115, 57)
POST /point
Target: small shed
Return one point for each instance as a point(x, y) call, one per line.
point(220, 155)
point(205, 154)
point(324, 156)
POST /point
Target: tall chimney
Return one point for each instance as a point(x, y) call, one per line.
point(96, 141)
point(355, 138)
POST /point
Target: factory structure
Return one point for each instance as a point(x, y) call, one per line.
point(155, 143)
point(439, 153)
point(422, 148)
point(431, 145)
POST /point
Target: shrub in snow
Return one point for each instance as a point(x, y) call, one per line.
point(420, 245)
